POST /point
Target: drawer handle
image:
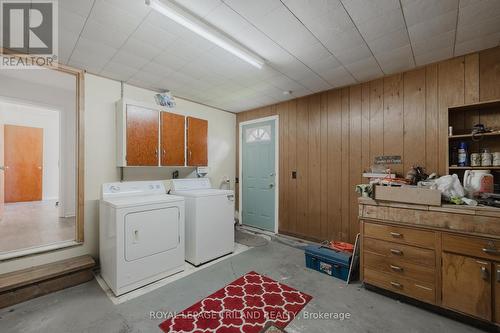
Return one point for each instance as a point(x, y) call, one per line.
point(396, 285)
point(397, 252)
point(396, 268)
point(484, 273)
point(396, 235)
point(491, 251)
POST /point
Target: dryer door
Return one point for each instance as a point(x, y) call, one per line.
point(150, 232)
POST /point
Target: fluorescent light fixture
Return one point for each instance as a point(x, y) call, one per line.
point(194, 24)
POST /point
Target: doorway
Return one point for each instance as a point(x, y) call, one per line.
point(259, 173)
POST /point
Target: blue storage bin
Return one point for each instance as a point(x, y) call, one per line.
point(329, 261)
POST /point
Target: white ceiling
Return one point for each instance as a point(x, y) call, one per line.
point(308, 45)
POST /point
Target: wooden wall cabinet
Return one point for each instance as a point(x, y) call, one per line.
point(172, 139)
point(141, 136)
point(147, 136)
point(197, 142)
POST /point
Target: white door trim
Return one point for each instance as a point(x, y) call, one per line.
point(276, 167)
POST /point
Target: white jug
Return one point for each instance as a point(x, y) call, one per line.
point(477, 182)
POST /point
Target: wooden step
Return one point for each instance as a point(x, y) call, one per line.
point(19, 286)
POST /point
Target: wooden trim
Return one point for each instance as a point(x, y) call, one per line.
point(80, 132)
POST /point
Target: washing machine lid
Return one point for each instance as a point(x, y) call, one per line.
point(134, 201)
point(203, 193)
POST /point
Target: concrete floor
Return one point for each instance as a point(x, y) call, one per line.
point(33, 224)
point(86, 308)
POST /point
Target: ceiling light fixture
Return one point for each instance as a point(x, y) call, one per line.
point(194, 24)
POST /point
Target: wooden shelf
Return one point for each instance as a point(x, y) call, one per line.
point(474, 168)
point(469, 136)
point(476, 106)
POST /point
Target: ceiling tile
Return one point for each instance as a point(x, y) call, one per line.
point(350, 55)
point(365, 69)
point(361, 10)
point(417, 11)
point(111, 13)
point(338, 77)
point(255, 9)
point(472, 12)
point(70, 21)
point(480, 43)
point(152, 35)
point(434, 55)
point(392, 40)
point(435, 42)
point(141, 49)
point(199, 8)
point(396, 60)
point(378, 26)
point(130, 59)
point(67, 42)
point(434, 26)
point(80, 7)
point(478, 30)
point(118, 71)
point(104, 34)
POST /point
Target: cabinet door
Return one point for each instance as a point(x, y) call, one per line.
point(197, 142)
point(172, 139)
point(466, 285)
point(142, 136)
point(496, 275)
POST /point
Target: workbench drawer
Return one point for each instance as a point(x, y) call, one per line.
point(472, 246)
point(407, 253)
point(419, 290)
point(398, 267)
point(400, 235)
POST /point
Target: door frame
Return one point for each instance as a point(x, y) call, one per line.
point(79, 160)
point(276, 166)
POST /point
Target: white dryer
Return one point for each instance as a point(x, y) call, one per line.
point(141, 234)
point(209, 219)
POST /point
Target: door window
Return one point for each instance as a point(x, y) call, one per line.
point(256, 134)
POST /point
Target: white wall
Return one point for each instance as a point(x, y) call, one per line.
point(100, 162)
point(24, 115)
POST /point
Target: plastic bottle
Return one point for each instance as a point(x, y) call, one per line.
point(463, 154)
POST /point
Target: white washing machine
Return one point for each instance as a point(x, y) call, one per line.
point(141, 234)
point(209, 219)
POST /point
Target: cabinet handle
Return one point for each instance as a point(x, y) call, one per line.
point(397, 252)
point(396, 285)
point(491, 251)
point(164, 152)
point(484, 273)
point(396, 268)
point(498, 274)
point(156, 152)
point(396, 235)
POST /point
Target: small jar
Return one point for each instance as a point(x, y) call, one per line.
point(486, 158)
point(475, 159)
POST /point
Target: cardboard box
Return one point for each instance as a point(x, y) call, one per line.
point(408, 194)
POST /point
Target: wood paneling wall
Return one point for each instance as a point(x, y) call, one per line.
point(329, 138)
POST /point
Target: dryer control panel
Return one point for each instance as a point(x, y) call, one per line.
point(125, 189)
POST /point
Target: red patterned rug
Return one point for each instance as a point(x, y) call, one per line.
point(245, 305)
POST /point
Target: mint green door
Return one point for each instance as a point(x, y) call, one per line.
point(258, 175)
